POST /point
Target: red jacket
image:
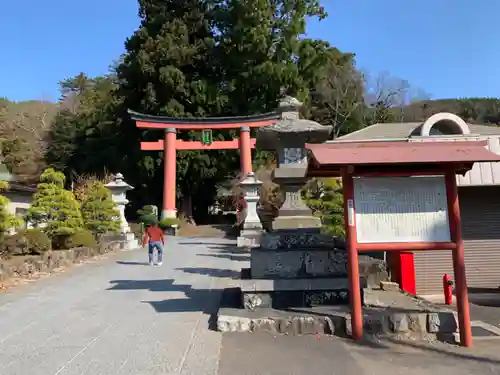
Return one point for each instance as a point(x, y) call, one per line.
point(153, 234)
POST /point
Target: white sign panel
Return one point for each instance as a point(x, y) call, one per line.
point(401, 209)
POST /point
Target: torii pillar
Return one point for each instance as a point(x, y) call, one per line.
point(245, 152)
point(169, 175)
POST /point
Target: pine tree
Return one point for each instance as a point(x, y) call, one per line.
point(55, 209)
point(98, 210)
point(325, 198)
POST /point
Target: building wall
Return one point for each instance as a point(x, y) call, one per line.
point(480, 213)
point(20, 202)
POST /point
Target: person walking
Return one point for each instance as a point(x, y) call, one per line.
point(154, 238)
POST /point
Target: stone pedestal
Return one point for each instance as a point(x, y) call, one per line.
point(296, 268)
point(252, 227)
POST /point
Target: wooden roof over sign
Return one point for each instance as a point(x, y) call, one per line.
point(328, 159)
point(164, 122)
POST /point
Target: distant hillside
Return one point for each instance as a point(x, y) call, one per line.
point(23, 126)
point(472, 110)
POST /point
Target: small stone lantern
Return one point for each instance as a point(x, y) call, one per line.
point(288, 138)
point(252, 227)
point(119, 188)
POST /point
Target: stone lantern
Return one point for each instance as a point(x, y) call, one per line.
point(288, 138)
point(252, 227)
point(295, 264)
point(119, 188)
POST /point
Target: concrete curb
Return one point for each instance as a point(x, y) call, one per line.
point(51, 260)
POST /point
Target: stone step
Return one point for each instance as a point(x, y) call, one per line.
point(337, 321)
point(268, 285)
point(257, 294)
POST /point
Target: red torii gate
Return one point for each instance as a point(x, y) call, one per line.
point(170, 144)
point(351, 160)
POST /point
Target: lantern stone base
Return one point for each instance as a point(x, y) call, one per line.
point(131, 243)
point(250, 238)
point(168, 214)
point(281, 294)
point(293, 222)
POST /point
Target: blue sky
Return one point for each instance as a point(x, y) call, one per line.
point(445, 47)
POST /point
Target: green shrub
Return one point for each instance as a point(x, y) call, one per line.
point(148, 219)
point(13, 245)
point(37, 242)
point(148, 210)
point(168, 223)
point(55, 207)
point(82, 238)
point(326, 200)
point(99, 212)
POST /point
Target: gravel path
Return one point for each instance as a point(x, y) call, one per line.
point(119, 316)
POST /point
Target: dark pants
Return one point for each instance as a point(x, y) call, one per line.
point(159, 248)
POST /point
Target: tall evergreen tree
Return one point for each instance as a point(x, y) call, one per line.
point(192, 58)
point(170, 69)
point(263, 50)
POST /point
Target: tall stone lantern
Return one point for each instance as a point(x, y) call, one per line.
point(295, 265)
point(288, 138)
point(252, 227)
point(119, 188)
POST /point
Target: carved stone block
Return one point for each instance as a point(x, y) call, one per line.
point(298, 263)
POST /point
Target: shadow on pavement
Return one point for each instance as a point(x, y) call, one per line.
point(209, 244)
point(215, 272)
point(228, 249)
point(132, 263)
point(207, 301)
point(239, 258)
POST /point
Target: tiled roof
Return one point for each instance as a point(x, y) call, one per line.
point(395, 130)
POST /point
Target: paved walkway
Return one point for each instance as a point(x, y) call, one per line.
point(265, 354)
point(120, 316)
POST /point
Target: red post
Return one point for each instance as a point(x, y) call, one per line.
point(458, 260)
point(402, 267)
point(245, 151)
point(169, 177)
point(447, 289)
point(352, 257)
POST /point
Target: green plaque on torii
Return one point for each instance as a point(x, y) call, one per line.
point(206, 136)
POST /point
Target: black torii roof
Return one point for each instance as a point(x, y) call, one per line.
point(137, 116)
